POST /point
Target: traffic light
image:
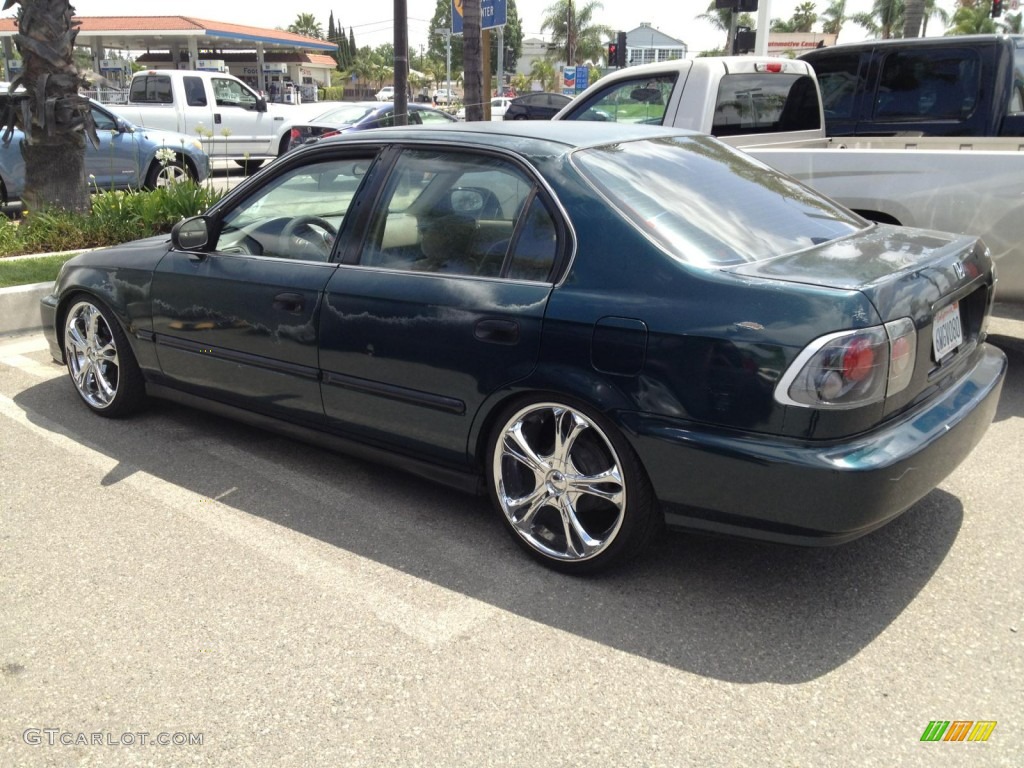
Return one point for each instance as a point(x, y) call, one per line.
point(613, 54)
point(997, 8)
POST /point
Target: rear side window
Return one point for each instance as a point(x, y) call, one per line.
point(839, 81)
point(765, 103)
point(640, 100)
point(151, 89)
point(928, 85)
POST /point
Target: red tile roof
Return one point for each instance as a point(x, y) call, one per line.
point(143, 24)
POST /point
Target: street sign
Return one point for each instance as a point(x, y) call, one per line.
point(493, 13)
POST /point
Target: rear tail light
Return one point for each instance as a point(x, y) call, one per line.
point(851, 368)
point(295, 136)
point(325, 134)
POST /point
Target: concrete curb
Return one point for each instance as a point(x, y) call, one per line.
point(19, 308)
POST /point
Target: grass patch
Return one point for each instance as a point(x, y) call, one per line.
point(27, 271)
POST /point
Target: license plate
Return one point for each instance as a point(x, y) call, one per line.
point(947, 333)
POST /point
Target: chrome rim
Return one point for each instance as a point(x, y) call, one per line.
point(91, 354)
point(559, 482)
point(170, 174)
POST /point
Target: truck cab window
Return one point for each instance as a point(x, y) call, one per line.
point(230, 93)
point(765, 103)
point(195, 94)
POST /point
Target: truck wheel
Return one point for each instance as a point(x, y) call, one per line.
point(162, 175)
point(249, 166)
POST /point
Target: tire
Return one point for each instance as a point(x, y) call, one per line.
point(248, 166)
point(100, 361)
point(164, 174)
point(569, 487)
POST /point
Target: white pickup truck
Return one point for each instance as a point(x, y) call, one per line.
point(233, 121)
point(771, 109)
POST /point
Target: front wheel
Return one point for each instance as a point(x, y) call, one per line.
point(569, 487)
point(100, 361)
point(165, 174)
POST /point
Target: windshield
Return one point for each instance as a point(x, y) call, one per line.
point(709, 204)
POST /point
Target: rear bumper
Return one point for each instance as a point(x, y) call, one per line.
point(812, 493)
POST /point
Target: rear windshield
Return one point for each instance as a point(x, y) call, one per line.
point(765, 103)
point(708, 204)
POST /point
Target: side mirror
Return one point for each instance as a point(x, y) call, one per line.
point(261, 104)
point(191, 234)
point(123, 126)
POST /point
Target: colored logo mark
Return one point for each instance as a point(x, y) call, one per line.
point(958, 730)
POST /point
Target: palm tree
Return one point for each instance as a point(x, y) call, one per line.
point(913, 16)
point(1012, 24)
point(473, 70)
point(54, 118)
point(885, 17)
point(306, 24)
point(931, 10)
point(544, 72)
point(833, 18)
point(720, 19)
point(804, 17)
point(972, 20)
point(573, 33)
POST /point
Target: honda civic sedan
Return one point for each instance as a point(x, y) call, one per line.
point(605, 328)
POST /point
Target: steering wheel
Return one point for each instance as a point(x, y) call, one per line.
point(299, 235)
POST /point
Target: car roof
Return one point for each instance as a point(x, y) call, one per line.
point(915, 42)
point(532, 138)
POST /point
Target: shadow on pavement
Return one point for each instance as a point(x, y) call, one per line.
point(730, 610)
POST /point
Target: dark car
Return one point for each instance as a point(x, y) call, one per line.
point(536, 106)
point(361, 116)
point(607, 327)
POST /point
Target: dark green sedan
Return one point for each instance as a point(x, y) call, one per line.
point(606, 328)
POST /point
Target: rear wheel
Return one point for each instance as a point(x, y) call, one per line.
point(249, 166)
point(100, 361)
point(569, 487)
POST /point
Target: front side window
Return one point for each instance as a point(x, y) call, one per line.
point(765, 103)
point(709, 204)
point(460, 214)
point(641, 100)
point(297, 215)
point(230, 93)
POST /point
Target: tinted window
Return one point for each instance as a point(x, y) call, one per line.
point(1016, 100)
point(931, 85)
point(709, 204)
point(460, 214)
point(151, 89)
point(839, 81)
point(764, 103)
point(195, 92)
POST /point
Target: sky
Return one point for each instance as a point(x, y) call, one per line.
point(372, 22)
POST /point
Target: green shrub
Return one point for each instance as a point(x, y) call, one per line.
point(116, 217)
point(334, 93)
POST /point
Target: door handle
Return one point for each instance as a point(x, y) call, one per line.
point(290, 302)
point(497, 331)
point(216, 118)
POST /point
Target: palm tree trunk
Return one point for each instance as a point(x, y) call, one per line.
point(913, 15)
point(54, 117)
point(473, 64)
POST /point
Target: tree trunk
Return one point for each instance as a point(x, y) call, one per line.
point(913, 15)
point(53, 117)
point(472, 60)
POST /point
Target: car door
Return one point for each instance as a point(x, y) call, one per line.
point(115, 162)
point(239, 321)
point(441, 304)
point(238, 126)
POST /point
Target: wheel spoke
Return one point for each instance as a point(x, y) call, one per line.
point(564, 442)
point(533, 501)
point(106, 390)
point(108, 352)
point(574, 531)
point(74, 336)
point(592, 485)
point(517, 447)
point(81, 372)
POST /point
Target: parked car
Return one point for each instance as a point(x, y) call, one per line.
point(127, 156)
point(607, 326)
point(535, 106)
point(387, 93)
point(361, 116)
point(444, 96)
point(498, 106)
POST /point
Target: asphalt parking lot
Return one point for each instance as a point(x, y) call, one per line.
point(179, 578)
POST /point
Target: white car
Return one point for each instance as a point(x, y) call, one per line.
point(498, 106)
point(387, 93)
point(443, 96)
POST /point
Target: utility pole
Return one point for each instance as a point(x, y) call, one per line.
point(401, 63)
